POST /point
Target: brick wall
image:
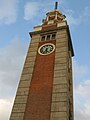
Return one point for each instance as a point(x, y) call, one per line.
point(40, 93)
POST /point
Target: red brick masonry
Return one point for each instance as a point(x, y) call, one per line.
point(40, 94)
point(49, 27)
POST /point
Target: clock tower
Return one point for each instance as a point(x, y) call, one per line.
point(45, 90)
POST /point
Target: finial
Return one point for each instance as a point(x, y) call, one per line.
point(56, 5)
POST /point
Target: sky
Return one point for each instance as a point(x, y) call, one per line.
point(17, 19)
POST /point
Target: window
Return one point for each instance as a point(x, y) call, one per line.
point(52, 18)
point(53, 36)
point(43, 38)
point(48, 37)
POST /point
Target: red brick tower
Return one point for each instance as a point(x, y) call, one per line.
point(45, 91)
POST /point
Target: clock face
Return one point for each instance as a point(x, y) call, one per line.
point(46, 49)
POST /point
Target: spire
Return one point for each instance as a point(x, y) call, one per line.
point(56, 5)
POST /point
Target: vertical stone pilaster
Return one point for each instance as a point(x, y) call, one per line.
point(60, 95)
point(20, 102)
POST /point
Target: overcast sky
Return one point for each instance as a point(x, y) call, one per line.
point(17, 19)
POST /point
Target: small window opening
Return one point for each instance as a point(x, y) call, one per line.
point(48, 37)
point(43, 38)
point(53, 36)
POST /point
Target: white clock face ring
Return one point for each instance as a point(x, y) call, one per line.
point(46, 49)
